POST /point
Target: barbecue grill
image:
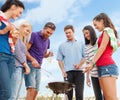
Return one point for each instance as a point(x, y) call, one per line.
point(61, 88)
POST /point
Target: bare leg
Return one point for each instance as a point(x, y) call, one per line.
point(108, 85)
point(35, 94)
point(31, 94)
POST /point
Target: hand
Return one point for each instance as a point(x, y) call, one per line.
point(26, 70)
point(76, 66)
point(50, 54)
point(88, 81)
point(35, 64)
point(64, 74)
point(88, 67)
point(10, 26)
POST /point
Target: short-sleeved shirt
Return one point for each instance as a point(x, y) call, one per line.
point(106, 57)
point(71, 53)
point(39, 46)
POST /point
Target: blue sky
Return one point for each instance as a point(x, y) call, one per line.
point(62, 12)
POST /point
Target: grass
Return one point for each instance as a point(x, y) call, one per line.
point(58, 98)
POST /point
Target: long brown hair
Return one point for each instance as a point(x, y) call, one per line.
point(107, 22)
point(93, 36)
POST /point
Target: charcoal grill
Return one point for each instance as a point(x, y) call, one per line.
point(60, 88)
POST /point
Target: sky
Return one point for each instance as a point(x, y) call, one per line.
point(78, 13)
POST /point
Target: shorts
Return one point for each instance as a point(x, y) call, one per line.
point(32, 80)
point(110, 70)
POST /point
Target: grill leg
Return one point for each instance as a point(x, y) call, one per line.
point(53, 96)
point(65, 96)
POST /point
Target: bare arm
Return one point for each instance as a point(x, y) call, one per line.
point(62, 68)
point(82, 62)
point(77, 66)
point(88, 79)
point(29, 57)
point(102, 47)
point(46, 54)
point(6, 29)
point(100, 51)
point(26, 68)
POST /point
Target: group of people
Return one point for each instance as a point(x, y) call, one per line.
point(96, 53)
point(22, 52)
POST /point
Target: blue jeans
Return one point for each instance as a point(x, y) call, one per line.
point(16, 82)
point(32, 80)
point(96, 88)
point(6, 69)
point(77, 78)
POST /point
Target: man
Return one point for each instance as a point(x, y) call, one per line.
point(70, 58)
point(37, 50)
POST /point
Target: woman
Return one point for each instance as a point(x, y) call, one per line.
point(11, 9)
point(21, 65)
point(107, 44)
point(90, 48)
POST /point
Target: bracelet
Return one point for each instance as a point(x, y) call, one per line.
point(92, 63)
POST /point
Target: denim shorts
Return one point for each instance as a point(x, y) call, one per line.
point(32, 80)
point(110, 70)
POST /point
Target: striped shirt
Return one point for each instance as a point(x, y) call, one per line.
point(89, 54)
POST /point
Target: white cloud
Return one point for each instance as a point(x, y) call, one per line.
point(54, 10)
point(84, 2)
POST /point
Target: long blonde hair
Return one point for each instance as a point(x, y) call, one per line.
point(27, 38)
